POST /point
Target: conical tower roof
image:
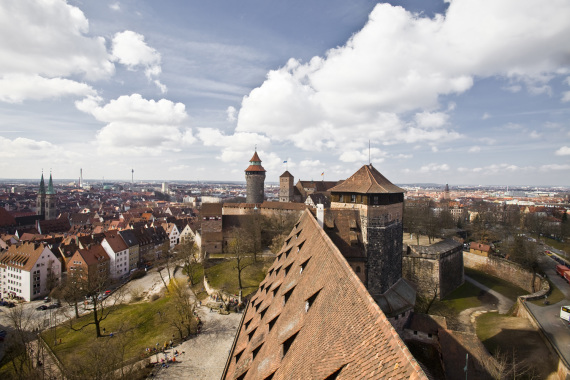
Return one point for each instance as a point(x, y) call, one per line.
point(42, 186)
point(50, 189)
point(367, 180)
point(255, 164)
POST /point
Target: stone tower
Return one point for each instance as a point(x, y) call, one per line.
point(41, 199)
point(50, 201)
point(255, 180)
point(286, 187)
point(381, 207)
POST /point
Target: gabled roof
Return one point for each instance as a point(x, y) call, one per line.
point(367, 180)
point(93, 254)
point(115, 241)
point(312, 318)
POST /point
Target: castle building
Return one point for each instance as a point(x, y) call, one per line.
point(286, 187)
point(365, 222)
point(255, 180)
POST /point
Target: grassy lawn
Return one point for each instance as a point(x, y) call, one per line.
point(147, 323)
point(224, 275)
point(499, 285)
point(464, 297)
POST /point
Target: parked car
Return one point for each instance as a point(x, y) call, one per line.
point(3, 334)
point(42, 307)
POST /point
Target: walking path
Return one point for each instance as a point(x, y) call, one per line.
point(504, 305)
point(203, 356)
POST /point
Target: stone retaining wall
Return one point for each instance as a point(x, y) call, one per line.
point(504, 269)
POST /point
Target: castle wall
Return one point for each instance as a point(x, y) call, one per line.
point(503, 269)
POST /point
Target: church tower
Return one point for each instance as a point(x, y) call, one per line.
point(41, 199)
point(381, 207)
point(255, 180)
point(286, 187)
point(50, 201)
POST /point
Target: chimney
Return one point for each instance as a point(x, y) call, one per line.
point(320, 214)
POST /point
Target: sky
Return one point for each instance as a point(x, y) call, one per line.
point(465, 92)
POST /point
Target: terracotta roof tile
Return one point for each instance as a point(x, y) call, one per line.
point(367, 180)
point(320, 321)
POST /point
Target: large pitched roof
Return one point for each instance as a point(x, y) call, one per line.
point(312, 318)
point(23, 255)
point(367, 180)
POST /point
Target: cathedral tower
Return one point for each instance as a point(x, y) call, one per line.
point(41, 199)
point(255, 180)
point(50, 201)
point(381, 207)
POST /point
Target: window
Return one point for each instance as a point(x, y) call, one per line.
point(287, 295)
point(304, 265)
point(256, 351)
point(250, 335)
point(357, 269)
point(310, 301)
point(276, 290)
point(287, 344)
point(271, 323)
point(353, 198)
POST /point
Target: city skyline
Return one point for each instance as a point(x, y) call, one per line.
point(459, 92)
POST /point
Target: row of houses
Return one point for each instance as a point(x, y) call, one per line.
point(32, 266)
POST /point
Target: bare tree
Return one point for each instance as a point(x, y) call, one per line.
point(95, 286)
point(188, 253)
point(183, 319)
point(239, 248)
point(22, 350)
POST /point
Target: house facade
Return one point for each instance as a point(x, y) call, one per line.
point(28, 271)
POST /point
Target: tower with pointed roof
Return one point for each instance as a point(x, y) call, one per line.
point(255, 180)
point(50, 201)
point(381, 207)
point(41, 199)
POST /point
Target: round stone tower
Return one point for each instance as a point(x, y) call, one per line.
point(255, 180)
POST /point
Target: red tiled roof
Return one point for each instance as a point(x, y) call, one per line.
point(367, 180)
point(5, 218)
point(312, 318)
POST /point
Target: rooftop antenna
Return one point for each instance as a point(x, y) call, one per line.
point(369, 161)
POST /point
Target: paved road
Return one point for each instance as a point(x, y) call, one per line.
point(557, 330)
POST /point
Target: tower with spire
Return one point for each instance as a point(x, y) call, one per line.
point(50, 200)
point(255, 180)
point(41, 199)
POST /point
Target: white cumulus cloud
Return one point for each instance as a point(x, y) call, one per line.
point(386, 82)
point(131, 50)
point(139, 126)
point(563, 151)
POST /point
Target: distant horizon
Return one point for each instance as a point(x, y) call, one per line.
point(158, 181)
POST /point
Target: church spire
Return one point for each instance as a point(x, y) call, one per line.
point(50, 185)
point(42, 185)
